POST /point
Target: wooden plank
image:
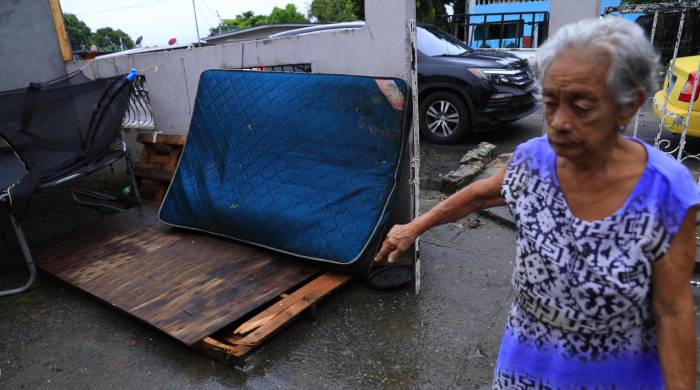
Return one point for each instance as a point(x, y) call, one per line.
point(158, 161)
point(61, 35)
point(154, 171)
point(272, 320)
point(187, 284)
point(164, 155)
point(255, 323)
point(152, 191)
point(223, 352)
point(162, 138)
point(309, 293)
point(151, 194)
point(234, 347)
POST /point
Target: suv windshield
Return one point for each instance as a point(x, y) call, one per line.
point(433, 42)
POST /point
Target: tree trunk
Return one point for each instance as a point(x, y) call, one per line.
point(440, 12)
point(425, 12)
point(459, 8)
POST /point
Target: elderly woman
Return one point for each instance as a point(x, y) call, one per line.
point(605, 227)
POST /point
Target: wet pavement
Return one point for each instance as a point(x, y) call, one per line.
point(56, 337)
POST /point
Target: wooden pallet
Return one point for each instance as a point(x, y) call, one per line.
point(192, 286)
point(156, 164)
point(232, 347)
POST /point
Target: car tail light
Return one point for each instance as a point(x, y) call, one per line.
point(687, 90)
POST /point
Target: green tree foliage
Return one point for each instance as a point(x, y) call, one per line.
point(332, 11)
point(428, 10)
point(441, 6)
point(434, 12)
point(288, 14)
point(107, 38)
point(79, 33)
point(245, 20)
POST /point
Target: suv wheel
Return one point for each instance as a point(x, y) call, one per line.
point(444, 118)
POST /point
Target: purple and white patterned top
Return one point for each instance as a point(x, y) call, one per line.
point(582, 315)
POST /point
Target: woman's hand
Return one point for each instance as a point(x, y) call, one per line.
point(477, 196)
point(399, 239)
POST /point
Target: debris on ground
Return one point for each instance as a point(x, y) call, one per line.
point(471, 165)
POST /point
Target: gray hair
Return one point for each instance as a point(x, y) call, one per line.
point(633, 60)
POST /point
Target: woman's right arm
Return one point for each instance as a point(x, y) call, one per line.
point(477, 196)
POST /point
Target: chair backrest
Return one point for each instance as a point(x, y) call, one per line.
point(60, 125)
point(53, 125)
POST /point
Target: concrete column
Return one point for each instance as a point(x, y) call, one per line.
point(563, 12)
point(392, 13)
point(28, 45)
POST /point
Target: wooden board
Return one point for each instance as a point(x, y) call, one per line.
point(61, 35)
point(156, 164)
point(187, 284)
point(234, 346)
point(162, 139)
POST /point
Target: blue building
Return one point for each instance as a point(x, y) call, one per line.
point(512, 23)
point(508, 23)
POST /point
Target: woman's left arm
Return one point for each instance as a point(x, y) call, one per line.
point(672, 303)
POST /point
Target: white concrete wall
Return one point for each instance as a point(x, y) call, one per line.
point(563, 12)
point(381, 48)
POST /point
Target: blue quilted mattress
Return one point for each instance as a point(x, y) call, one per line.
point(304, 164)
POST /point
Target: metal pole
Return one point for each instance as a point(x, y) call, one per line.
point(466, 21)
point(196, 24)
point(500, 38)
point(518, 24)
point(668, 76)
point(690, 111)
point(28, 260)
point(532, 30)
point(415, 159)
point(653, 33)
point(653, 27)
point(132, 176)
point(535, 35)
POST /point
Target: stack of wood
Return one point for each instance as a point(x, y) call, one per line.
point(156, 166)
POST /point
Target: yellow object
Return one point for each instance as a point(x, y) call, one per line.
point(63, 41)
point(677, 110)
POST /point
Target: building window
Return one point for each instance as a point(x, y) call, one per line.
point(487, 2)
